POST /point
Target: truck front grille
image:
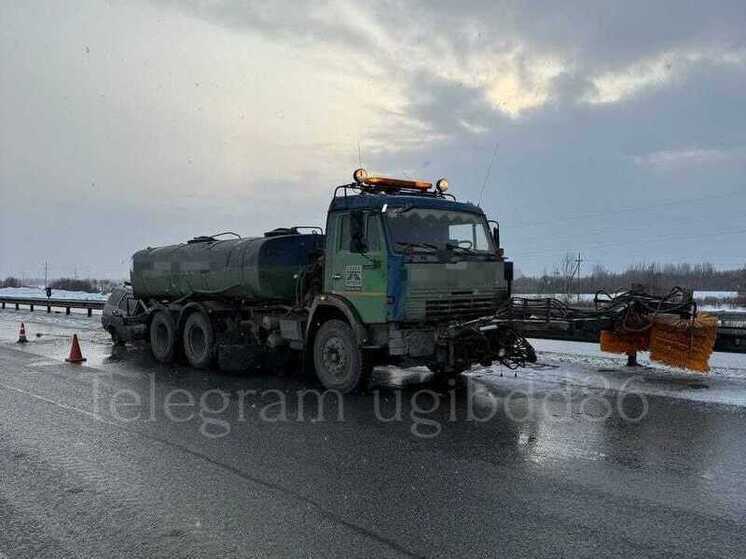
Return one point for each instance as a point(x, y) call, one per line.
point(458, 308)
point(452, 306)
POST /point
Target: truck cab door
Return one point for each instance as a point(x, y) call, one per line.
point(357, 270)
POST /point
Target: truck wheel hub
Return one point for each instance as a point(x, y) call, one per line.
point(335, 356)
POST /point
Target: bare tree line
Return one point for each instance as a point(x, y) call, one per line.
point(89, 285)
point(656, 277)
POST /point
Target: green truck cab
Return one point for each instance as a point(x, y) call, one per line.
point(404, 275)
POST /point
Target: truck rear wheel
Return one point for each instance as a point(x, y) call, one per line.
point(163, 337)
point(199, 341)
point(338, 360)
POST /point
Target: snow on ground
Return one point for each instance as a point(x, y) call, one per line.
point(717, 301)
point(715, 294)
point(36, 292)
point(699, 295)
point(721, 307)
point(584, 297)
point(583, 366)
point(722, 363)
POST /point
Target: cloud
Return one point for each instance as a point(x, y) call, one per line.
point(656, 71)
point(180, 118)
point(678, 159)
point(510, 49)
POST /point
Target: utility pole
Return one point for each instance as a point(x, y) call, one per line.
point(578, 263)
point(46, 275)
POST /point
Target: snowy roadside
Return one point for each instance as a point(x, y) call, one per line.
point(583, 366)
point(707, 301)
point(563, 366)
point(38, 292)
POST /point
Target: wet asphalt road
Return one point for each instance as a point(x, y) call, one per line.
point(100, 461)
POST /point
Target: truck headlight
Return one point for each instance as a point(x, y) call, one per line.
point(360, 176)
point(441, 185)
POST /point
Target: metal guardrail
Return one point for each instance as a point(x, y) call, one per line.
point(731, 325)
point(49, 304)
point(731, 331)
point(731, 335)
point(731, 320)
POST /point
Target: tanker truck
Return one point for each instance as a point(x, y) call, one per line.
point(404, 274)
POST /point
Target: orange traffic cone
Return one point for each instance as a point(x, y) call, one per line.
point(22, 335)
point(76, 356)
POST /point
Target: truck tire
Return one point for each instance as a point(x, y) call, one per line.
point(163, 337)
point(339, 362)
point(199, 341)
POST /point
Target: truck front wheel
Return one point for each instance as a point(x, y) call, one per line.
point(339, 362)
point(199, 341)
point(163, 337)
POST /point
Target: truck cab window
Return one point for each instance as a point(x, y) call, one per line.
point(428, 230)
point(344, 235)
point(373, 233)
point(470, 235)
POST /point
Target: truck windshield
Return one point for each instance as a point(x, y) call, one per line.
point(429, 230)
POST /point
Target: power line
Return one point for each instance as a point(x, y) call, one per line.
point(651, 206)
point(637, 242)
point(635, 229)
point(489, 170)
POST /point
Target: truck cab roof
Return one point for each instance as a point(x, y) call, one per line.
point(375, 201)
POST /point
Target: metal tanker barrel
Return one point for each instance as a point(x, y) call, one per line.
point(251, 268)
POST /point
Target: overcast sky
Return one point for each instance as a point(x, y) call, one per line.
point(613, 128)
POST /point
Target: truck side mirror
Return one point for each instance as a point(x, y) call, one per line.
point(357, 233)
point(496, 235)
point(509, 276)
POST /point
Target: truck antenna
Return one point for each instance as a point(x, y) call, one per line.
point(489, 170)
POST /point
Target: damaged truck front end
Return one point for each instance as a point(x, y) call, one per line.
point(454, 348)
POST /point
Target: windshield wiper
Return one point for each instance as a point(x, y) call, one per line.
point(417, 245)
point(395, 212)
point(466, 250)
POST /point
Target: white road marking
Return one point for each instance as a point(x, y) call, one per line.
point(54, 403)
point(42, 363)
